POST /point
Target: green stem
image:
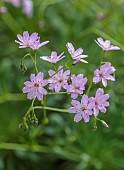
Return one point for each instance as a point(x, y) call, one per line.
point(88, 90)
point(51, 108)
point(50, 93)
point(95, 125)
point(35, 63)
point(31, 108)
point(45, 119)
point(31, 56)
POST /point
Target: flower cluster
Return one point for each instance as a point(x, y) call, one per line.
point(89, 106)
point(74, 85)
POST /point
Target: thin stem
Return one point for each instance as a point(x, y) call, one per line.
point(88, 90)
point(45, 119)
point(55, 67)
point(51, 108)
point(95, 125)
point(31, 108)
point(50, 93)
point(31, 56)
point(35, 63)
point(26, 56)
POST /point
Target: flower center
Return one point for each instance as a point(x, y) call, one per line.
point(77, 87)
point(60, 80)
point(36, 85)
point(96, 102)
point(83, 108)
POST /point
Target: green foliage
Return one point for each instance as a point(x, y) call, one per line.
point(61, 144)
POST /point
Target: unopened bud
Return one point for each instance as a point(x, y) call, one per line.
point(105, 124)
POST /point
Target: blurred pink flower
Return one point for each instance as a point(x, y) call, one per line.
point(28, 8)
point(16, 3)
point(3, 9)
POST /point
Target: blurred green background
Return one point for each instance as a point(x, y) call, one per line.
point(61, 144)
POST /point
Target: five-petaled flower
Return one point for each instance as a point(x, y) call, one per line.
point(104, 74)
point(53, 58)
point(32, 41)
point(59, 79)
point(105, 45)
point(99, 102)
point(34, 88)
point(76, 54)
point(83, 110)
point(77, 86)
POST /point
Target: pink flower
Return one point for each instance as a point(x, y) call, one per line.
point(26, 40)
point(104, 74)
point(76, 54)
point(77, 86)
point(53, 57)
point(32, 41)
point(36, 45)
point(3, 9)
point(83, 110)
point(16, 3)
point(58, 80)
point(34, 88)
point(99, 102)
point(105, 45)
point(28, 8)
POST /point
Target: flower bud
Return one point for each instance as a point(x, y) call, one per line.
point(105, 124)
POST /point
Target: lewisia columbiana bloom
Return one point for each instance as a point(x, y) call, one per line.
point(105, 45)
point(104, 74)
point(77, 86)
point(59, 79)
point(83, 110)
point(32, 41)
point(76, 54)
point(99, 102)
point(53, 58)
point(34, 88)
